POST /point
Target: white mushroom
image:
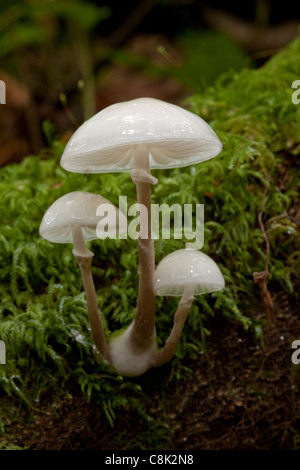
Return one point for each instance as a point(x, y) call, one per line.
point(170, 135)
point(72, 219)
point(139, 135)
point(184, 273)
point(184, 268)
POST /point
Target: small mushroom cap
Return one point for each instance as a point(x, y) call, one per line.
point(187, 267)
point(76, 208)
point(173, 136)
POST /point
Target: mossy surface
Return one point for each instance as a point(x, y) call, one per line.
point(43, 317)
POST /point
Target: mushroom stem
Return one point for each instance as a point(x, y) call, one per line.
point(144, 322)
point(80, 248)
point(84, 260)
point(166, 354)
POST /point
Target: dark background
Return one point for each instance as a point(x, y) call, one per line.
point(60, 73)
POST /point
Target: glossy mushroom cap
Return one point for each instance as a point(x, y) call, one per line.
point(184, 268)
point(76, 208)
point(172, 136)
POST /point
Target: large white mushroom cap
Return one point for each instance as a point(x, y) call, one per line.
point(184, 268)
point(173, 137)
point(77, 208)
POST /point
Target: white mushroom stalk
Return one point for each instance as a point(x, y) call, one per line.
point(165, 355)
point(144, 322)
point(84, 260)
point(72, 219)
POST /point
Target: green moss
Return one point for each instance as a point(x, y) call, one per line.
point(43, 309)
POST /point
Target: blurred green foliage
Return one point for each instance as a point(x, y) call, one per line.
point(68, 47)
point(207, 55)
point(57, 37)
point(24, 23)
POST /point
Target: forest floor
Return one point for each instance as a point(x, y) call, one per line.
point(243, 395)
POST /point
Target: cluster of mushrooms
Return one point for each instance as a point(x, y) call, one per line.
point(135, 135)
